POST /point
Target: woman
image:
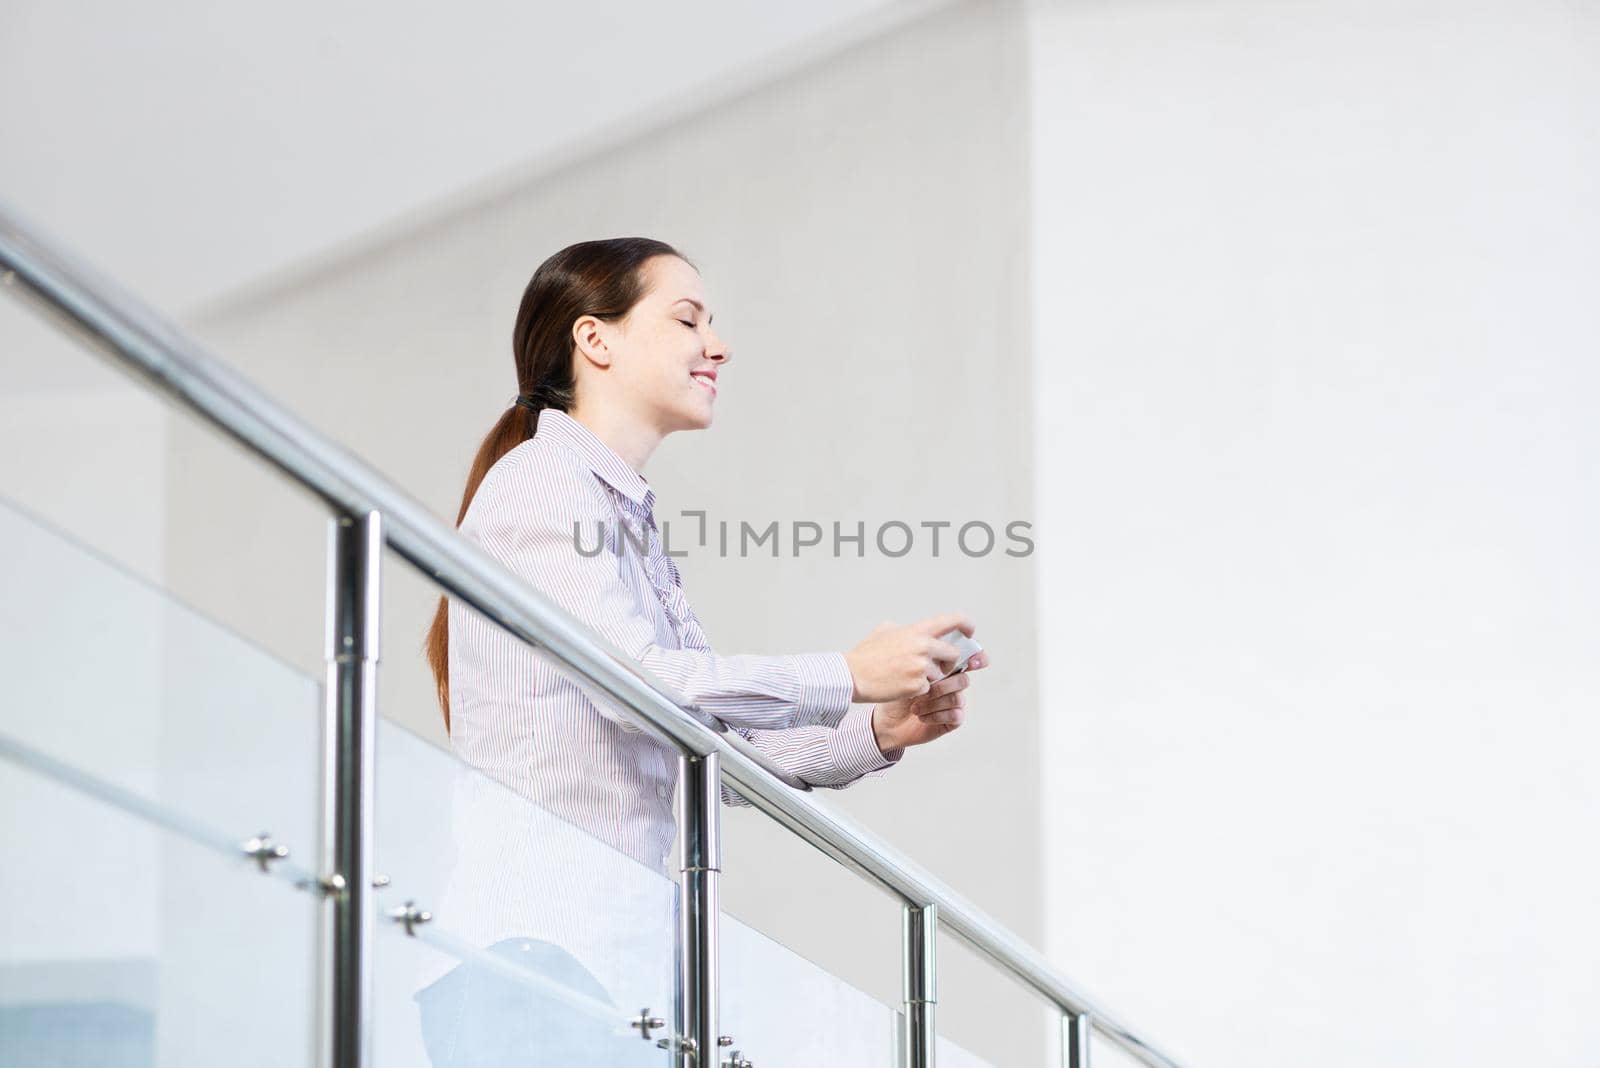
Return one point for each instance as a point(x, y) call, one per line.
point(615, 349)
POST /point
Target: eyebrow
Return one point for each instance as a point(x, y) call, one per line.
point(700, 307)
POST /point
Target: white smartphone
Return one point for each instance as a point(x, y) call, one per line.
point(968, 647)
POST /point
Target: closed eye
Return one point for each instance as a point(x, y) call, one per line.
point(687, 322)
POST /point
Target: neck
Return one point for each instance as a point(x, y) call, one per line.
point(628, 436)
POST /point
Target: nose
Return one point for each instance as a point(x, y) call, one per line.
point(717, 349)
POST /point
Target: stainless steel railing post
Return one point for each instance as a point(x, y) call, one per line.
point(699, 910)
point(918, 951)
point(349, 735)
point(1075, 1032)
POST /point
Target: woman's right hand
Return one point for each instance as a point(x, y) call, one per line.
point(895, 662)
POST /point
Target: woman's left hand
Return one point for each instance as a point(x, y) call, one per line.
point(921, 719)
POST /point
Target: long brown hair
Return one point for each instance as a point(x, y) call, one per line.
point(604, 279)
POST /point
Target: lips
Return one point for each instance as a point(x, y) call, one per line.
point(708, 379)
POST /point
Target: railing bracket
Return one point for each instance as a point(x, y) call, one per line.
point(410, 917)
point(263, 850)
point(644, 1023)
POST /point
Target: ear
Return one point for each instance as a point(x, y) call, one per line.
point(588, 337)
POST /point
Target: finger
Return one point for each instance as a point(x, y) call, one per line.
point(946, 717)
point(941, 651)
point(926, 705)
point(937, 625)
point(932, 732)
point(934, 666)
point(943, 691)
point(978, 662)
point(948, 685)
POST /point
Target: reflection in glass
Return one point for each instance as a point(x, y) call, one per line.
point(543, 942)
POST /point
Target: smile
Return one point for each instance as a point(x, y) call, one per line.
point(705, 380)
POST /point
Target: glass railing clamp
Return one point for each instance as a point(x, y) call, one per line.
point(263, 850)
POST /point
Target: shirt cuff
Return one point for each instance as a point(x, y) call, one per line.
point(854, 747)
point(826, 687)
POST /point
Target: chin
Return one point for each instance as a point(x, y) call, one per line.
point(704, 412)
point(693, 419)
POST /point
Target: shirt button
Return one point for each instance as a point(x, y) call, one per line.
point(661, 791)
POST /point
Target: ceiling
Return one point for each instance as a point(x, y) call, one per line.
point(191, 148)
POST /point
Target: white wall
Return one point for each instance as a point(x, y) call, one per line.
point(1316, 336)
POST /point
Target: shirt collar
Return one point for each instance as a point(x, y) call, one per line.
point(557, 425)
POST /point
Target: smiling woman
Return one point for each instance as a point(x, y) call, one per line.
point(614, 351)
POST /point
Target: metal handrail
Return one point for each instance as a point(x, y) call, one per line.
point(138, 339)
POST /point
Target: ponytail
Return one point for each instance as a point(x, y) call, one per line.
point(513, 428)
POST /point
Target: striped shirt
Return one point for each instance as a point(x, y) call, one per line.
point(565, 512)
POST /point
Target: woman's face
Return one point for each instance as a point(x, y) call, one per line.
point(668, 351)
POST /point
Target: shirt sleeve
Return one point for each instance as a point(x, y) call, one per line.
point(832, 757)
point(539, 518)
